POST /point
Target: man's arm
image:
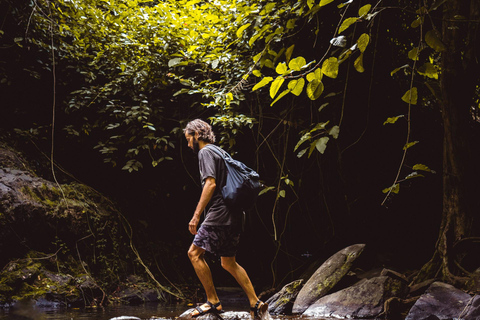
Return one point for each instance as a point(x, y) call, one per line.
point(207, 194)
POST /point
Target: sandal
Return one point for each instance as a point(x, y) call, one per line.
point(259, 310)
point(213, 309)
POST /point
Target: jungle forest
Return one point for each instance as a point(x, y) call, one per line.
point(362, 118)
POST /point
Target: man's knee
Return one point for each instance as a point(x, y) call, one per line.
point(194, 253)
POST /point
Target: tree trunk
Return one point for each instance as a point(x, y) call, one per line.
point(458, 80)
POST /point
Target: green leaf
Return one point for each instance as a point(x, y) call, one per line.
point(314, 89)
point(434, 41)
point(417, 22)
point(362, 42)
point(301, 153)
point(410, 144)
point(265, 190)
point(280, 96)
point(297, 63)
point(334, 132)
point(358, 64)
point(317, 74)
point(392, 119)
point(325, 2)
point(291, 23)
point(262, 83)
point(422, 167)
point(428, 70)
point(398, 69)
point(281, 68)
point(395, 189)
point(242, 29)
point(281, 193)
point(410, 96)
point(275, 86)
point(296, 86)
point(310, 3)
point(257, 73)
point(288, 53)
point(321, 144)
point(414, 175)
point(228, 98)
point(347, 23)
point(414, 54)
point(364, 10)
point(330, 67)
point(304, 138)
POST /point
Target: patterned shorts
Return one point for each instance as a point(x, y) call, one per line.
point(220, 240)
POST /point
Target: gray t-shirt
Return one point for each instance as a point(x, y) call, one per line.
point(212, 165)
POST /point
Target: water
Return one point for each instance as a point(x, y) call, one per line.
point(145, 311)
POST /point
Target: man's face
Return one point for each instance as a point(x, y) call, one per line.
point(192, 142)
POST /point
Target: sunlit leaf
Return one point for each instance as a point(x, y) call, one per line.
point(347, 23)
point(429, 70)
point(395, 189)
point(317, 74)
point(296, 86)
point(340, 41)
point(173, 62)
point(281, 193)
point(297, 63)
point(398, 69)
point(265, 190)
point(228, 98)
point(410, 144)
point(325, 2)
point(334, 131)
point(364, 10)
point(242, 29)
point(410, 96)
point(363, 41)
point(358, 64)
point(330, 67)
point(280, 96)
point(392, 119)
point(262, 83)
point(321, 144)
point(422, 167)
point(281, 68)
point(314, 89)
point(414, 175)
point(275, 86)
point(257, 73)
point(310, 3)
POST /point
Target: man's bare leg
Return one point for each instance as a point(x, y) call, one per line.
point(196, 255)
point(230, 264)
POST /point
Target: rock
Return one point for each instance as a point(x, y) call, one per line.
point(363, 300)
point(441, 300)
point(125, 318)
point(420, 288)
point(282, 301)
point(326, 276)
point(472, 311)
point(230, 315)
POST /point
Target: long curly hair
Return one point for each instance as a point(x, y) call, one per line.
point(203, 129)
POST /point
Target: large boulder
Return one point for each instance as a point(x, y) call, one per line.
point(440, 301)
point(326, 277)
point(472, 311)
point(282, 301)
point(363, 300)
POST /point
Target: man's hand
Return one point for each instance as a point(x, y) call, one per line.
point(192, 226)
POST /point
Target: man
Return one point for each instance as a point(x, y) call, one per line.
point(220, 231)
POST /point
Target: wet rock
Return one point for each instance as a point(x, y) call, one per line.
point(363, 300)
point(326, 276)
point(136, 291)
point(282, 301)
point(472, 311)
point(442, 301)
point(229, 315)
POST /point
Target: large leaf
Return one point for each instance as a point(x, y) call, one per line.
point(262, 83)
point(347, 23)
point(275, 86)
point(314, 89)
point(321, 144)
point(242, 29)
point(281, 68)
point(296, 86)
point(330, 67)
point(434, 41)
point(280, 96)
point(364, 10)
point(410, 96)
point(428, 70)
point(297, 63)
point(317, 74)
point(358, 64)
point(362, 42)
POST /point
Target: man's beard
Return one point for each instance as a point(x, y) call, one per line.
point(196, 146)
